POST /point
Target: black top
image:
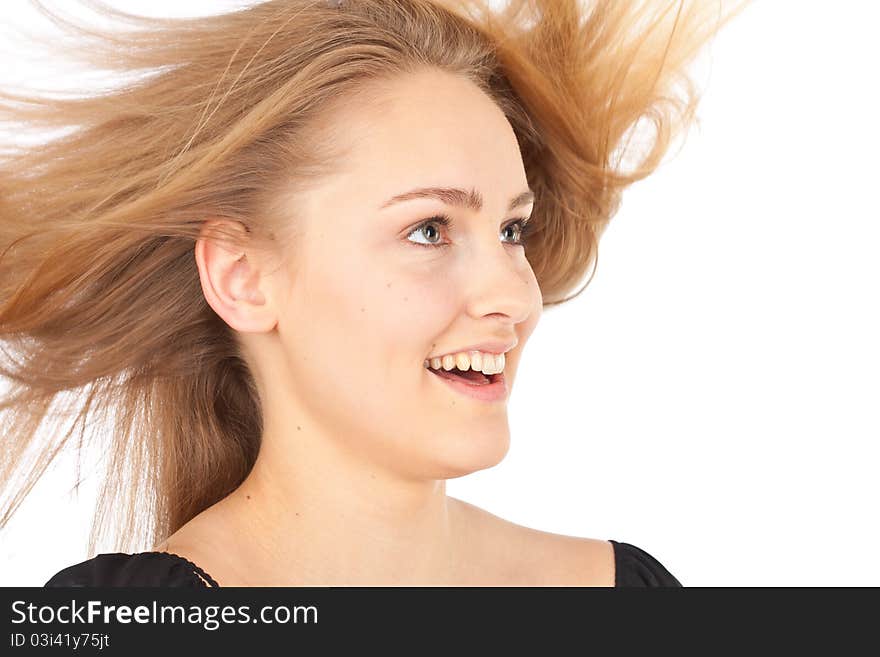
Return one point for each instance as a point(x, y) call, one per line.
point(633, 567)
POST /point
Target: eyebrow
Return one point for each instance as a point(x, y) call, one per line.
point(471, 199)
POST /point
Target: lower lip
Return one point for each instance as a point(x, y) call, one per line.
point(490, 392)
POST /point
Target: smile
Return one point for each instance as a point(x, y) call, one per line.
point(488, 388)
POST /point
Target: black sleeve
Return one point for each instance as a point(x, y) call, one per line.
point(121, 569)
point(635, 567)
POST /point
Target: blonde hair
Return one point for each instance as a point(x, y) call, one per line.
point(101, 307)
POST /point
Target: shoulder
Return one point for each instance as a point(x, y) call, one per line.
point(514, 554)
point(138, 569)
point(635, 567)
point(533, 557)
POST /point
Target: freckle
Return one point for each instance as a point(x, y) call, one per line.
point(249, 497)
point(406, 298)
point(389, 285)
point(298, 428)
point(297, 513)
point(363, 309)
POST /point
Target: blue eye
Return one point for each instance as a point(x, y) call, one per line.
point(443, 220)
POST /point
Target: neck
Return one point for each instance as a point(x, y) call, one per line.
point(310, 513)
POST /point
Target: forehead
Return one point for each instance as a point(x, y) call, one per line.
point(430, 128)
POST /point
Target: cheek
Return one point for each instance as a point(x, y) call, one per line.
point(373, 312)
point(414, 309)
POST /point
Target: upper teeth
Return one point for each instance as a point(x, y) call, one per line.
point(475, 360)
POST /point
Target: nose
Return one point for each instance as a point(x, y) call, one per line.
point(498, 280)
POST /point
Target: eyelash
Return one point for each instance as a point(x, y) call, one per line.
point(444, 220)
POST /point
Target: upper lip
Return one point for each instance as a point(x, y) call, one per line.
point(492, 347)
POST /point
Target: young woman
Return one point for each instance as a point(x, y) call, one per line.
point(301, 262)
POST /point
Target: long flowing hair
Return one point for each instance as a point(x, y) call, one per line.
point(106, 336)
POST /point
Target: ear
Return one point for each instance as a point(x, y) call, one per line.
point(233, 281)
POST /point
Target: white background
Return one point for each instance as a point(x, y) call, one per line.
point(712, 397)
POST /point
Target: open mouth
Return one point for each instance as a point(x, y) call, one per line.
point(470, 377)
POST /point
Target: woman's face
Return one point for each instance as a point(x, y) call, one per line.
point(367, 299)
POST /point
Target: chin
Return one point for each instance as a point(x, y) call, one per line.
point(471, 454)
